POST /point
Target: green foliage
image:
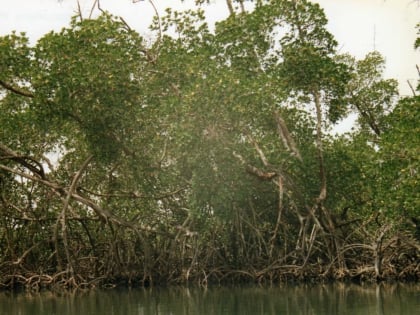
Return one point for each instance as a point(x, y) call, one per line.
point(204, 149)
point(15, 59)
point(368, 94)
point(16, 121)
point(399, 160)
point(88, 79)
point(307, 50)
point(351, 177)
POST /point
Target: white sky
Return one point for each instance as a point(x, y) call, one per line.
point(359, 25)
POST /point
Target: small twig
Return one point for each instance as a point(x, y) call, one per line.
point(158, 20)
point(93, 8)
point(99, 6)
point(79, 10)
point(125, 23)
point(411, 88)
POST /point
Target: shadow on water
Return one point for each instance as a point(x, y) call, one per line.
point(383, 299)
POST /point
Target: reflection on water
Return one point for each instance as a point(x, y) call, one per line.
point(384, 299)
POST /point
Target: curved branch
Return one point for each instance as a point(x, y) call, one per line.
point(61, 191)
point(16, 90)
point(153, 59)
point(22, 160)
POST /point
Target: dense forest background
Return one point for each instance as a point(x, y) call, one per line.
point(204, 155)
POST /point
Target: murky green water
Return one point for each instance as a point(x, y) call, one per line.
point(294, 300)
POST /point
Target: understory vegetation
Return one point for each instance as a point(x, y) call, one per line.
point(204, 155)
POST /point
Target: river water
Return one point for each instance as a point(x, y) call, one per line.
point(342, 299)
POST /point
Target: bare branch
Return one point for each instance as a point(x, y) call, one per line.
point(25, 161)
point(79, 10)
point(259, 151)
point(93, 8)
point(99, 7)
point(285, 136)
point(60, 190)
point(411, 88)
point(254, 170)
point(125, 23)
point(149, 57)
point(15, 90)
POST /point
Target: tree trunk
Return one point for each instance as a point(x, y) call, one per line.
point(334, 246)
point(323, 189)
